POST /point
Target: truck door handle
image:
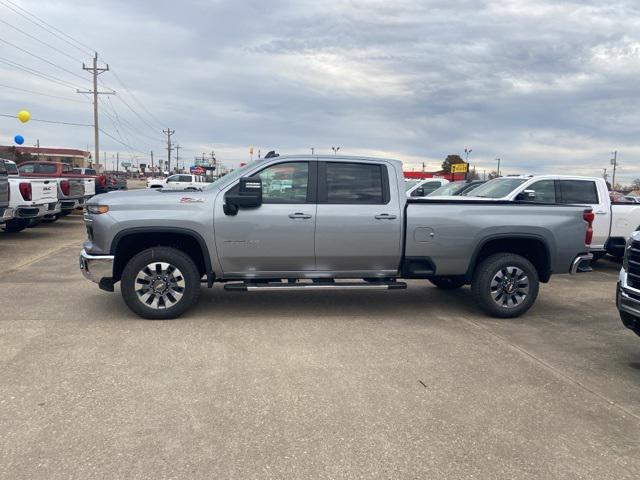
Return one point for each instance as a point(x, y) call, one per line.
point(601, 212)
point(299, 215)
point(385, 216)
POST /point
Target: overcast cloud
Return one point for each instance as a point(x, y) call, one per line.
point(548, 86)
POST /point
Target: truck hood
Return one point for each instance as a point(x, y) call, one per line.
point(148, 197)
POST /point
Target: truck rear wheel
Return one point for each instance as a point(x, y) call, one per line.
point(448, 283)
point(505, 285)
point(160, 283)
point(16, 225)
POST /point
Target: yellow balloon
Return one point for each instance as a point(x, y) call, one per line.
point(24, 116)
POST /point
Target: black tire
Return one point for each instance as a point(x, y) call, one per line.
point(448, 283)
point(509, 299)
point(16, 225)
point(130, 286)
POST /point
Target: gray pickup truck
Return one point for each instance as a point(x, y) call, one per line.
point(315, 222)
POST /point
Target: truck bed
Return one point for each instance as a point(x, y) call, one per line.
point(450, 232)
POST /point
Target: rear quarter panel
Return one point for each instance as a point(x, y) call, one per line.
point(451, 233)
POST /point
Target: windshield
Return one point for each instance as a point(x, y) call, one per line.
point(497, 188)
point(447, 190)
point(229, 177)
point(410, 184)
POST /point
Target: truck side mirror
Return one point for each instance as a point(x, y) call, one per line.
point(527, 195)
point(249, 196)
point(418, 192)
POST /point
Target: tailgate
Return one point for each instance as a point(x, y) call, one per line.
point(43, 190)
point(76, 188)
point(89, 187)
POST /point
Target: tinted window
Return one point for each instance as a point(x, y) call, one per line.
point(448, 189)
point(578, 191)
point(425, 189)
point(173, 178)
point(77, 171)
point(66, 168)
point(285, 183)
point(46, 168)
point(498, 187)
point(89, 171)
point(545, 191)
point(3, 169)
point(26, 168)
point(12, 169)
point(185, 178)
point(354, 183)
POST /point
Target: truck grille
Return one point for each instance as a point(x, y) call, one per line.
point(633, 260)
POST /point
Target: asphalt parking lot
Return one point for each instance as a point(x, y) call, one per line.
point(399, 384)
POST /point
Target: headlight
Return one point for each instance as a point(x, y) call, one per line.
point(97, 209)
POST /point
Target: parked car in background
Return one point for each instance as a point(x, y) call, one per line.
point(30, 198)
point(632, 198)
point(160, 245)
point(424, 187)
point(70, 186)
point(628, 290)
point(6, 212)
point(614, 222)
point(460, 187)
point(179, 182)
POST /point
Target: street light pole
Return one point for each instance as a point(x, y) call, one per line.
point(614, 162)
point(498, 167)
point(467, 151)
point(335, 150)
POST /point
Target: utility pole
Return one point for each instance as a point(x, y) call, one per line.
point(95, 71)
point(213, 158)
point(313, 151)
point(117, 162)
point(498, 172)
point(177, 156)
point(168, 132)
point(104, 156)
point(151, 163)
point(614, 162)
point(38, 146)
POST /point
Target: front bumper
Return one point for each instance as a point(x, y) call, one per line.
point(628, 303)
point(98, 269)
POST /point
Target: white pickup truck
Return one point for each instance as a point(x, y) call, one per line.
point(30, 198)
point(179, 182)
point(614, 222)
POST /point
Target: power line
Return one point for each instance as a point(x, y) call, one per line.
point(133, 110)
point(32, 71)
point(62, 52)
point(41, 58)
point(52, 30)
point(68, 99)
point(50, 121)
point(136, 99)
point(126, 123)
point(120, 141)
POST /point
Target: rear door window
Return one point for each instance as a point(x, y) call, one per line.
point(349, 183)
point(581, 192)
point(26, 168)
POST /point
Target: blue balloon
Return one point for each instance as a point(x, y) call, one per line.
point(19, 139)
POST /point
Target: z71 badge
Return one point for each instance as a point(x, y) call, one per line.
point(191, 200)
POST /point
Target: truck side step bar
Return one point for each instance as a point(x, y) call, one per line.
point(284, 286)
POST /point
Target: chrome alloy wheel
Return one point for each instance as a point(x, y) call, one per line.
point(159, 285)
point(509, 287)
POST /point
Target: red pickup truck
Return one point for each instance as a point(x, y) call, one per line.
point(71, 187)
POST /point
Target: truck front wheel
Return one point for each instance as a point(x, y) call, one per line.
point(160, 283)
point(505, 285)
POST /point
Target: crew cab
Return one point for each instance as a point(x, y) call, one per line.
point(6, 212)
point(422, 188)
point(346, 222)
point(179, 182)
point(71, 189)
point(614, 222)
point(30, 198)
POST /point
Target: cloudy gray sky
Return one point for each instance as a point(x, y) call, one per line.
point(548, 86)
